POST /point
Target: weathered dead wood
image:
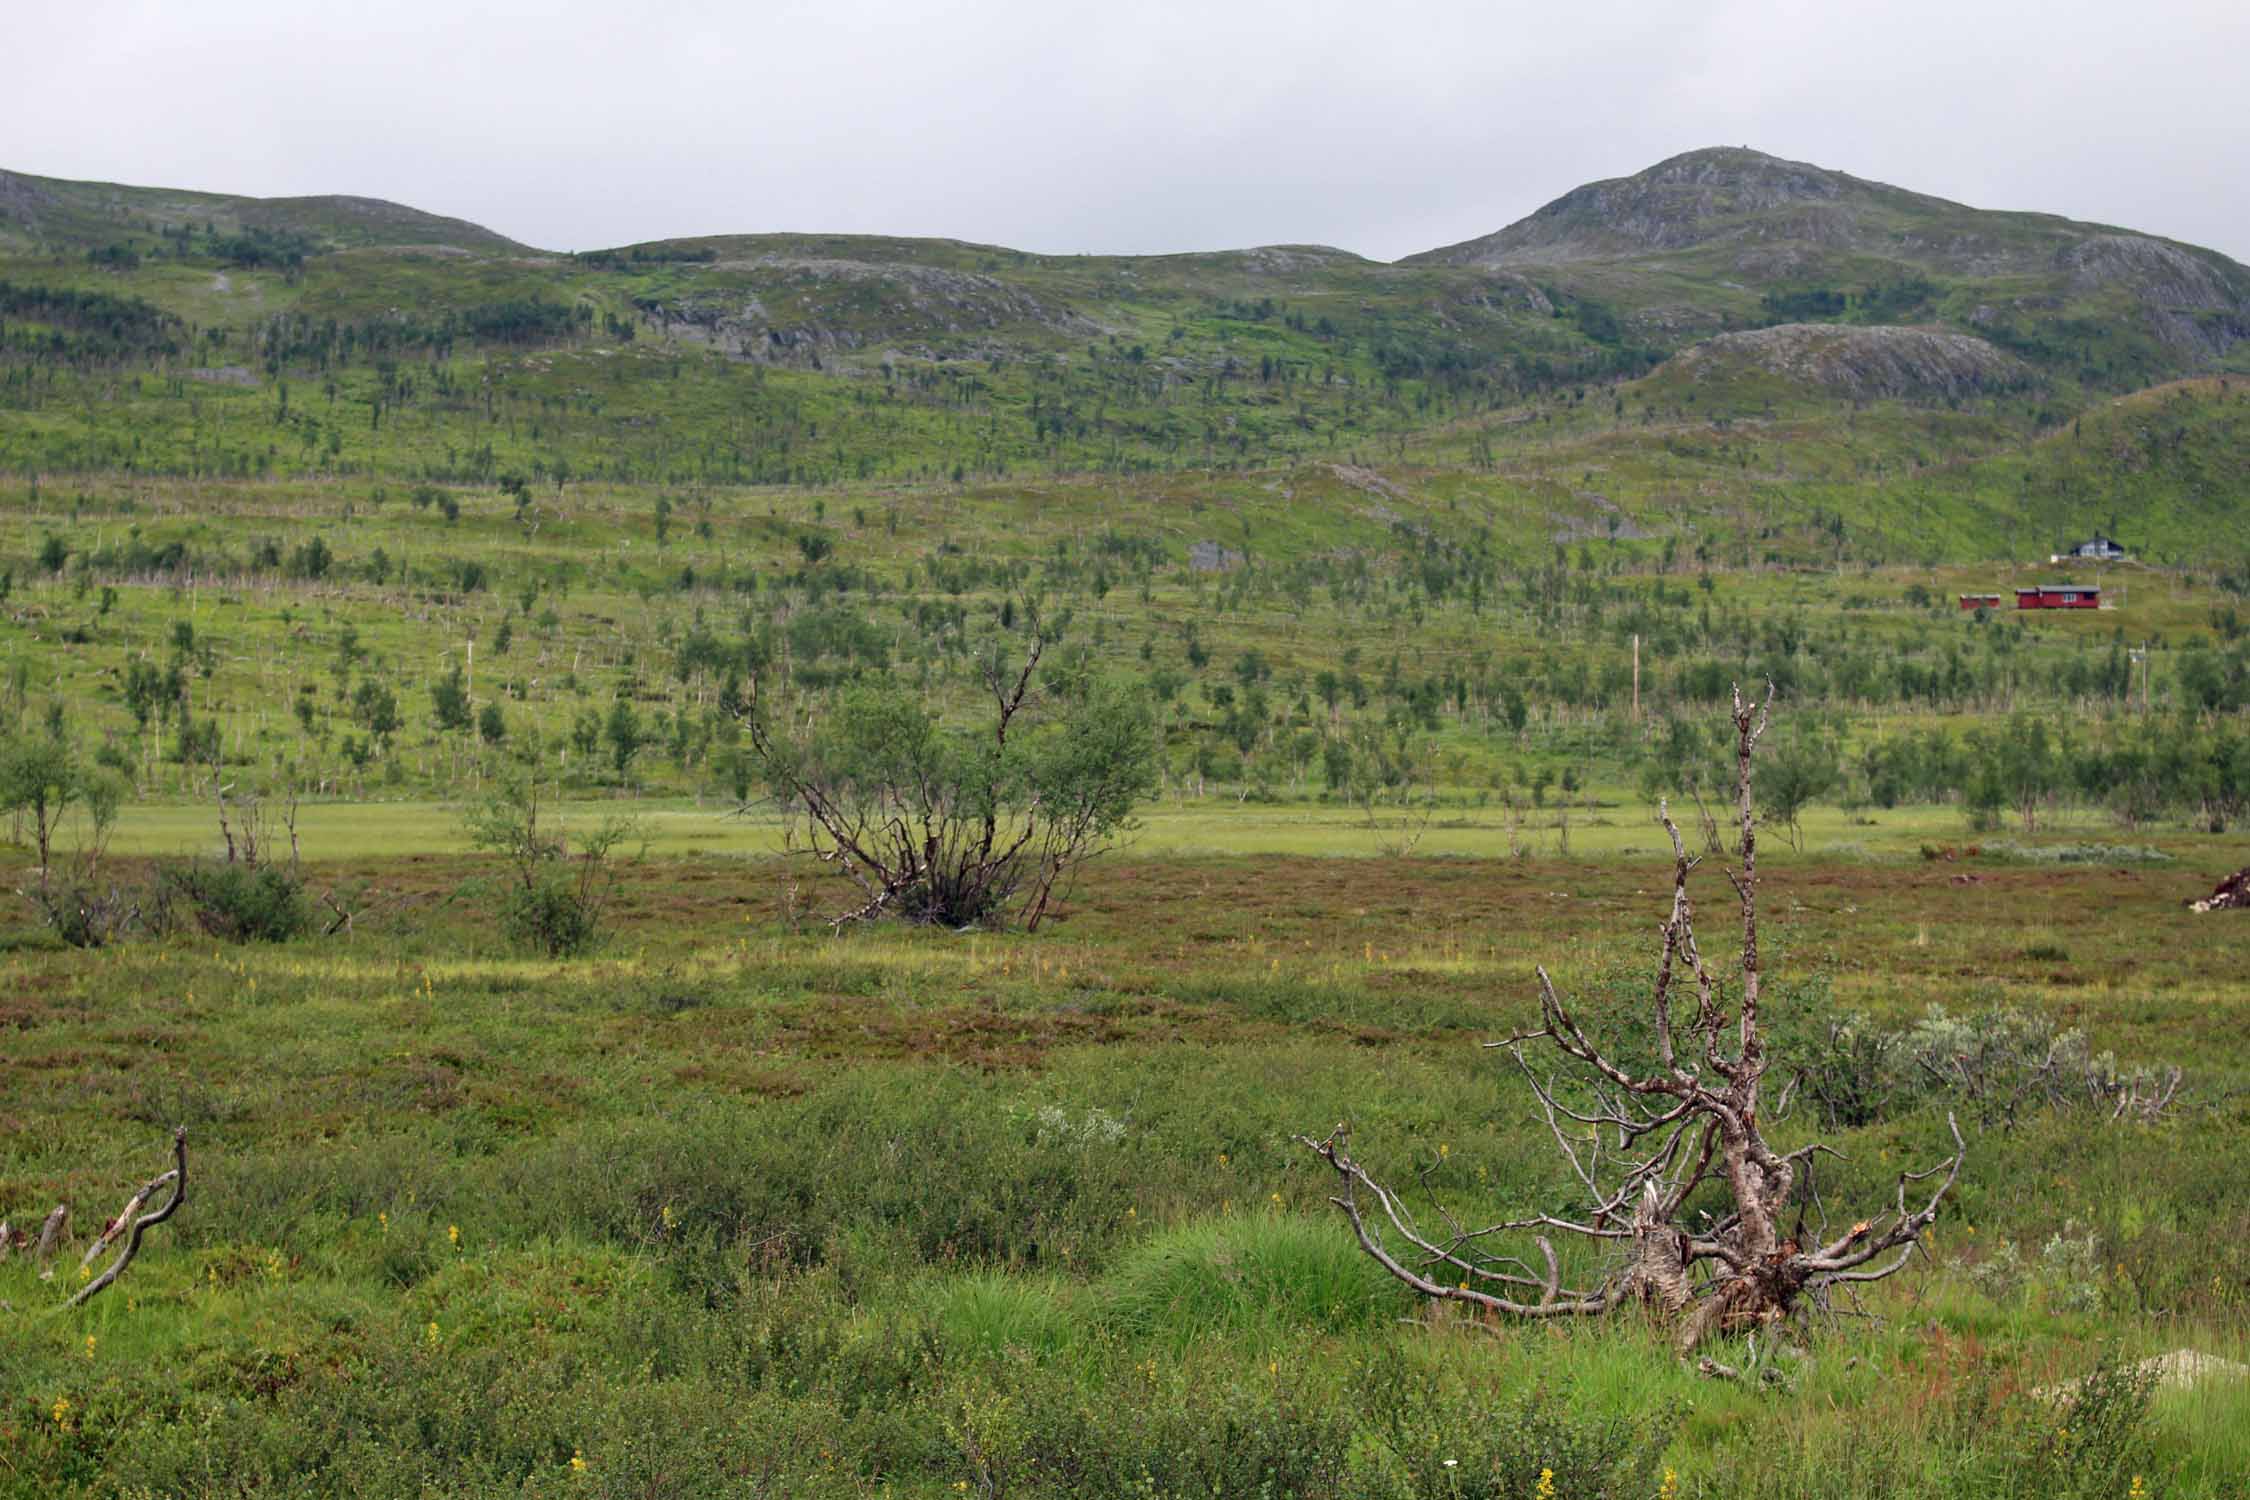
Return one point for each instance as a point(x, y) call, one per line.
point(1642, 1141)
point(51, 1237)
point(123, 1221)
point(177, 1179)
point(2230, 894)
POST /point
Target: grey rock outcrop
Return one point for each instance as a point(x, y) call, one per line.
point(1861, 363)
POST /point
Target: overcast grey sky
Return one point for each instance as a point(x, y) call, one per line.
point(1163, 125)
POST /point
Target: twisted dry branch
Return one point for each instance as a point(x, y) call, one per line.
point(177, 1179)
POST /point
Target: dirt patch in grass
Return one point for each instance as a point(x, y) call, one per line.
point(33, 999)
point(978, 1036)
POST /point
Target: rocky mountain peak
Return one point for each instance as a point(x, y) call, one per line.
point(1687, 200)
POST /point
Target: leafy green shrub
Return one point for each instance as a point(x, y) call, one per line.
point(962, 827)
point(1999, 1063)
point(556, 895)
point(235, 902)
point(2068, 1270)
point(549, 916)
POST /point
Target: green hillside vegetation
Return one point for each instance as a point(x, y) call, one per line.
point(1316, 633)
point(118, 224)
point(1364, 530)
point(359, 532)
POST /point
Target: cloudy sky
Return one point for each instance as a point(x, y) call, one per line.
point(1166, 125)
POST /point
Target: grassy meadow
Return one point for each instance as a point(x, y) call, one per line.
point(737, 1205)
point(741, 1206)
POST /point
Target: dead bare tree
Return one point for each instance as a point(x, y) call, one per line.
point(1641, 1141)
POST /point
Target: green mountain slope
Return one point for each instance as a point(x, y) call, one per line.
point(1724, 346)
point(51, 213)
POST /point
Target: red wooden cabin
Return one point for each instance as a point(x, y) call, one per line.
point(2060, 596)
point(1980, 601)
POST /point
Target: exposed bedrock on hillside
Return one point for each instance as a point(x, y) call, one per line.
point(1861, 363)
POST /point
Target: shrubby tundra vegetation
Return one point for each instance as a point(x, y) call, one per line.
point(749, 863)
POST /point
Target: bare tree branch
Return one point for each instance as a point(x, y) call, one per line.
point(177, 1177)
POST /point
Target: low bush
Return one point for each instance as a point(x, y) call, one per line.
point(549, 916)
point(2074, 854)
point(236, 903)
point(1997, 1063)
point(556, 892)
point(2089, 1440)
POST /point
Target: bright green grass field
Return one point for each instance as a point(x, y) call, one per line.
point(1617, 823)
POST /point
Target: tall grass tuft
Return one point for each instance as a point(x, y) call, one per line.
point(996, 1314)
point(1245, 1275)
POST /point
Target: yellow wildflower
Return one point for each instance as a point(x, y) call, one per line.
point(1546, 1490)
point(89, 1346)
point(453, 1233)
point(577, 1462)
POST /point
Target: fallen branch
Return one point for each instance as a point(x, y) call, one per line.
point(122, 1222)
